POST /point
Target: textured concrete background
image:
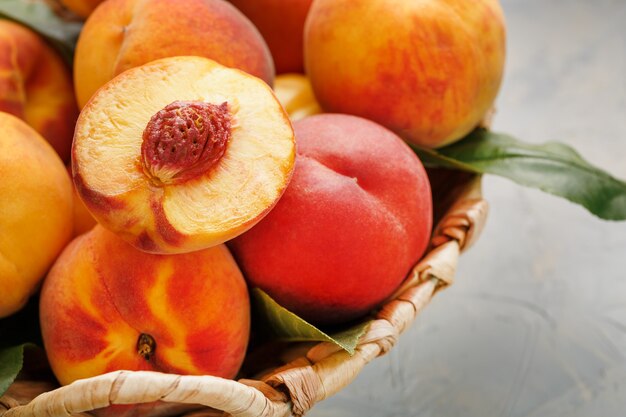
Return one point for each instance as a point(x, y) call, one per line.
point(536, 323)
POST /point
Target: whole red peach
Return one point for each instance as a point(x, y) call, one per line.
point(354, 220)
point(281, 22)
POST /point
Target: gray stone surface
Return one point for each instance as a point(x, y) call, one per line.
point(536, 323)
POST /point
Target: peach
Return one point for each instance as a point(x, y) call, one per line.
point(36, 86)
point(83, 8)
point(182, 153)
point(35, 211)
point(107, 306)
point(281, 22)
point(123, 34)
point(296, 95)
point(83, 221)
point(354, 220)
point(415, 67)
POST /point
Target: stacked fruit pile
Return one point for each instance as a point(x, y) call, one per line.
point(183, 154)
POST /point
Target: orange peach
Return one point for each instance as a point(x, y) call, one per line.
point(296, 95)
point(35, 211)
point(182, 153)
point(83, 220)
point(36, 86)
point(82, 8)
point(107, 306)
point(354, 220)
point(416, 66)
point(123, 34)
point(281, 22)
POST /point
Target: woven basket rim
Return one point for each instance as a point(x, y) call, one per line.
point(294, 388)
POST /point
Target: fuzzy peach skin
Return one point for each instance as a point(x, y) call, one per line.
point(354, 220)
point(123, 34)
point(35, 211)
point(281, 22)
point(428, 69)
point(181, 154)
point(36, 86)
point(107, 306)
point(82, 8)
point(83, 221)
point(296, 95)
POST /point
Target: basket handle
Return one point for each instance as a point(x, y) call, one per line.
point(127, 387)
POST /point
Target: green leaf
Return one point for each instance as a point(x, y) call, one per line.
point(11, 361)
point(551, 167)
point(18, 332)
point(287, 326)
point(37, 15)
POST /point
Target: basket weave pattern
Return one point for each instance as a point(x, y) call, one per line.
point(315, 374)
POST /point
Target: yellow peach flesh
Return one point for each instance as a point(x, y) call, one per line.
point(216, 206)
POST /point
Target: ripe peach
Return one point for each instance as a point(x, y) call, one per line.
point(35, 211)
point(36, 86)
point(296, 95)
point(107, 306)
point(82, 8)
point(123, 34)
point(355, 218)
point(182, 153)
point(281, 22)
point(83, 221)
point(416, 66)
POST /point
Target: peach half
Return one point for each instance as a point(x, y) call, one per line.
point(182, 154)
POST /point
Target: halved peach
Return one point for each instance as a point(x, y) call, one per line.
point(182, 154)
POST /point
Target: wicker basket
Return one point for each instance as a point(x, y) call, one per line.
point(310, 373)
